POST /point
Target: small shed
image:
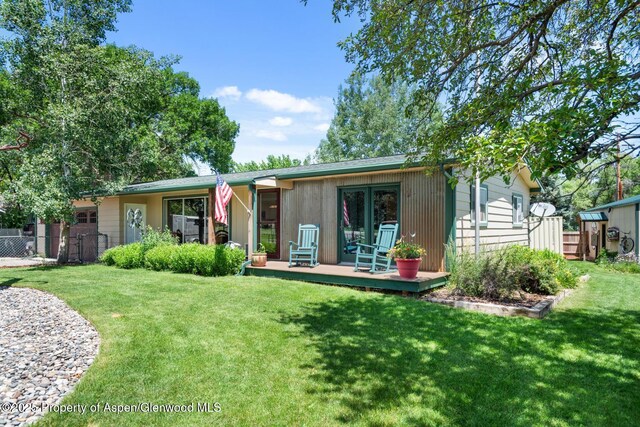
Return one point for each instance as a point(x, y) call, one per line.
point(616, 221)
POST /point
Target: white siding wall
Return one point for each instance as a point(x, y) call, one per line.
point(500, 229)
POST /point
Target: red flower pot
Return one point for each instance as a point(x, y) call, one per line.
point(408, 268)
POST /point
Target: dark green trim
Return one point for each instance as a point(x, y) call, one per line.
point(368, 200)
point(363, 282)
point(254, 217)
point(47, 240)
point(637, 230)
point(633, 200)
point(450, 220)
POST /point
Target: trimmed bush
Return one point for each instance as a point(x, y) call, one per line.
point(510, 270)
point(108, 256)
point(183, 259)
point(159, 257)
point(192, 258)
point(129, 256)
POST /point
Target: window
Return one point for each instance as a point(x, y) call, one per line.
point(93, 217)
point(518, 214)
point(186, 218)
point(484, 198)
point(81, 217)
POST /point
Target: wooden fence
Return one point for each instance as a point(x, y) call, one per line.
point(572, 244)
point(546, 233)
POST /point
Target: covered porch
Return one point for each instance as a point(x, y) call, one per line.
point(344, 275)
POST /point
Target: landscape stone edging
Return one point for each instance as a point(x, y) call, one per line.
point(45, 368)
point(538, 311)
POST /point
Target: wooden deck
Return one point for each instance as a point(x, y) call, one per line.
point(344, 275)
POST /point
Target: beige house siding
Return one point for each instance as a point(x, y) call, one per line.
point(500, 230)
point(109, 220)
point(239, 216)
point(316, 202)
point(626, 219)
point(111, 211)
point(41, 241)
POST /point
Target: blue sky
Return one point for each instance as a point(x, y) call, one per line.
point(274, 65)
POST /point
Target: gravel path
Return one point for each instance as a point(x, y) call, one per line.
point(45, 347)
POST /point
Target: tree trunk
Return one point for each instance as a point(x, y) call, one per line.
point(63, 247)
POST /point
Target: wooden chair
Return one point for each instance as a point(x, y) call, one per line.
point(306, 249)
point(374, 257)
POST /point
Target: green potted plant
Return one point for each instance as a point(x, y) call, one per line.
point(407, 256)
point(259, 257)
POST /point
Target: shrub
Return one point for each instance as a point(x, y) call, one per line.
point(108, 256)
point(192, 258)
point(230, 262)
point(184, 257)
point(152, 238)
point(129, 256)
point(159, 257)
point(216, 260)
point(507, 271)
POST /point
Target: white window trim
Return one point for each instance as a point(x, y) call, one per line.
point(485, 188)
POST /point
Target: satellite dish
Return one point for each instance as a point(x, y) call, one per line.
point(542, 209)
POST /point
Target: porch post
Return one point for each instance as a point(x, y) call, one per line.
point(211, 223)
point(251, 223)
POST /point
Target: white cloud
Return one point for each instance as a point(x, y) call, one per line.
point(279, 101)
point(281, 121)
point(227, 92)
point(275, 135)
point(322, 127)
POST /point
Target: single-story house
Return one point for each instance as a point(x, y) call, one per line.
point(608, 224)
point(348, 199)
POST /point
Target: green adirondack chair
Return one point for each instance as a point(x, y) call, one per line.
point(374, 257)
point(306, 249)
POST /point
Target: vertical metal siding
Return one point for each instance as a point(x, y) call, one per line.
point(421, 203)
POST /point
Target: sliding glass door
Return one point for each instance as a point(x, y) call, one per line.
point(361, 212)
point(186, 218)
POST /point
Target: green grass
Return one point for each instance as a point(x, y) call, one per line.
point(289, 353)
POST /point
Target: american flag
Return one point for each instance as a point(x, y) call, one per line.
point(345, 213)
point(223, 195)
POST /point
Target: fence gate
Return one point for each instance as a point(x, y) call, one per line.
point(85, 243)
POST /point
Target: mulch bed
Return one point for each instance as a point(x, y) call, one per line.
point(526, 300)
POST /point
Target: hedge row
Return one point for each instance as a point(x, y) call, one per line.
point(159, 252)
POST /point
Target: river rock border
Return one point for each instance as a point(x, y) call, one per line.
point(45, 348)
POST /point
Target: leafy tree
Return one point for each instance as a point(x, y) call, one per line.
point(90, 117)
point(595, 186)
point(272, 162)
point(370, 121)
point(552, 81)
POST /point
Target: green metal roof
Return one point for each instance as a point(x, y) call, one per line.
point(245, 178)
point(624, 202)
point(593, 216)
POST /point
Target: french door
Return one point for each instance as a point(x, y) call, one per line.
point(361, 212)
point(269, 221)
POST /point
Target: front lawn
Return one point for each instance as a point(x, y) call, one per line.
point(291, 353)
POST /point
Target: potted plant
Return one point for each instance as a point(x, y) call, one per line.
point(408, 256)
point(259, 257)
